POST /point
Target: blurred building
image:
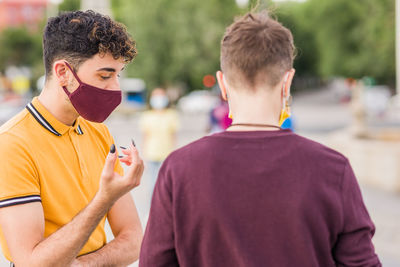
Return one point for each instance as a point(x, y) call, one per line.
point(14, 13)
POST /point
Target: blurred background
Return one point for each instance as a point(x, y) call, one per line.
point(345, 89)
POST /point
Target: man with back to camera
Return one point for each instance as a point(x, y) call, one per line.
point(256, 195)
point(60, 176)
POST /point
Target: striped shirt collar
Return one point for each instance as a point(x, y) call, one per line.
point(48, 121)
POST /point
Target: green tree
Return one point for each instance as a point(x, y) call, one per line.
point(19, 47)
point(354, 38)
point(294, 16)
point(69, 5)
point(343, 38)
point(177, 41)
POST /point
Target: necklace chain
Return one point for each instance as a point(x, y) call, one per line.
point(255, 125)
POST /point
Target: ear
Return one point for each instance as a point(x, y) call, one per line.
point(222, 85)
point(288, 82)
point(60, 72)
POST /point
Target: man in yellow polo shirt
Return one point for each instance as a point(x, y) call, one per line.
point(60, 175)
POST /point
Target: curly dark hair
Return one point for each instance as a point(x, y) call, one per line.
point(77, 36)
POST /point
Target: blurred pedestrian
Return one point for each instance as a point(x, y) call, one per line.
point(257, 195)
point(219, 117)
point(6, 89)
point(158, 126)
point(60, 175)
point(2, 83)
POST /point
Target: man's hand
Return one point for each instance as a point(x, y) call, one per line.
point(112, 185)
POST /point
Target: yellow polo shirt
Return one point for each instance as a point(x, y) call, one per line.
point(42, 159)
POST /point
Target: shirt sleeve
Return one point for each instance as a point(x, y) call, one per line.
point(354, 244)
point(19, 182)
point(158, 247)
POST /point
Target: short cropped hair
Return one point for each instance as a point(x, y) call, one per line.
point(78, 36)
point(256, 48)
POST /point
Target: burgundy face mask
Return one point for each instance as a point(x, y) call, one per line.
point(93, 103)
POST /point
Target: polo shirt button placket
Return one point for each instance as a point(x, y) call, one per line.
point(72, 136)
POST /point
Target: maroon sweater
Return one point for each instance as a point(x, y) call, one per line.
point(253, 199)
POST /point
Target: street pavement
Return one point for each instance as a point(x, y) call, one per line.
point(316, 114)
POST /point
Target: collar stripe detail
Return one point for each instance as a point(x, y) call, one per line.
point(41, 120)
point(19, 200)
point(79, 130)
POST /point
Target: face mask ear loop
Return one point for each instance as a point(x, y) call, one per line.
point(73, 72)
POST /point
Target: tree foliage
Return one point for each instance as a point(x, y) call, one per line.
point(177, 41)
point(296, 18)
point(69, 5)
point(19, 47)
point(344, 38)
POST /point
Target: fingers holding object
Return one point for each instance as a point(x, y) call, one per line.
point(131, 154)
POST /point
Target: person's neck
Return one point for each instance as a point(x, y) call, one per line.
point(262, 110)
point(54, 100)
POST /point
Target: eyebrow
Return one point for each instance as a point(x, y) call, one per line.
point(109, 69)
